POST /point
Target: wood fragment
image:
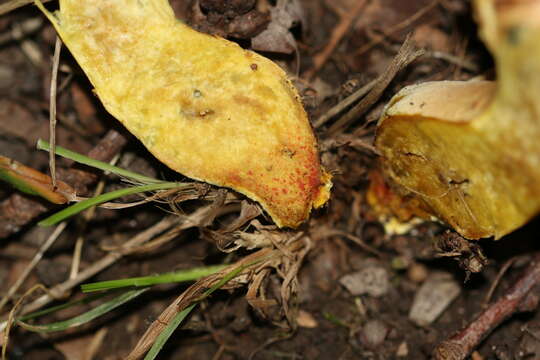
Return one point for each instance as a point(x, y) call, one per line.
point(345, 103)
point(406, 55)
point(340, 30)
point(52, 110)
point(497, 280)
point(523, 296)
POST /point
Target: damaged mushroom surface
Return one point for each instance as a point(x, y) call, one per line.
point(470, 151)
point(201, 104)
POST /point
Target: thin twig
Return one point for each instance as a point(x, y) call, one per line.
point(87, 215)
point(52, 109)
point(219, 352)
point(325, 232)
point(98, 266)
point(339, 31)
point(461, 51)
point(345, 103)
point(95, 344)
point(404, 57)
point(497, 280)
point(11, 317)
point(453, 59)
point(39, 255)
point(398, 27)
point(191, 294)
point(520, 297)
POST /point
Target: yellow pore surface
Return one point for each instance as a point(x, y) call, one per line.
point(201, 104)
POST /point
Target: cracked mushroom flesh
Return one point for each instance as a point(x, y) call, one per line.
point(470, 151)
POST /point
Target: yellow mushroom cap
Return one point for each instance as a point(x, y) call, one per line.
point(202, 105)
point(469, 150)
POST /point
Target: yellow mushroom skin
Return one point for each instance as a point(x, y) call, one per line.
point(201, 104)
point(470, 151)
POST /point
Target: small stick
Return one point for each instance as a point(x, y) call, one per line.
point(342, 105)
point(98, 266)
point(520, 297)
point(398, 27)
point(340, 30)
point(52, 110)
point(20, 280)
point(87, 216)
point(404, 57)
point(94, 345)
point(497, 280)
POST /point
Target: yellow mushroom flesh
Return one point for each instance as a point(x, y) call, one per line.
point(470, 151)
point(202, 105)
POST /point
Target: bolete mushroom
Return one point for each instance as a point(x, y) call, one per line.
point(201, 104)
point(470, 151)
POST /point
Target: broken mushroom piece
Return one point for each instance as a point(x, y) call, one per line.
point(470, 151)
point(202, 105)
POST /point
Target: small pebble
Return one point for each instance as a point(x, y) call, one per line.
point(417, 273)
point(402, 350)
point(433, 297)
point(306, 320)
point(373, 333)
point(372, 280)
point(476, 356)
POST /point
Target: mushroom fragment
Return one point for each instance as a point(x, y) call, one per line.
point(201, 104)
point(470, 151)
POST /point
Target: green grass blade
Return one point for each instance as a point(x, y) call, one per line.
point(87, 316)
point(83, 205)
point(44, 145)
point(167, 332)
point(177, 320)
point(52, 309)
point(225, 279)
point(173, 277)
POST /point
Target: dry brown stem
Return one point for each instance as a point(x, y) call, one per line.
point(404, 57)
point(520, 297)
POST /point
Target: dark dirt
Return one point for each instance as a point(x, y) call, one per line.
point(331, 323)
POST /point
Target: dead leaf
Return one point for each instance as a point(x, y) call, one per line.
point(33, 182)
point(277, 37)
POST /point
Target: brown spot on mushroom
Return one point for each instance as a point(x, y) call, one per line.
point(241, 99)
